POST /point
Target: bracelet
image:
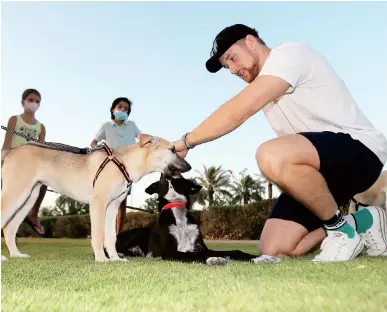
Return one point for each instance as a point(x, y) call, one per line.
point(184, 139)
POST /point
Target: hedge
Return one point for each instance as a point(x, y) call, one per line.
point(230, 222)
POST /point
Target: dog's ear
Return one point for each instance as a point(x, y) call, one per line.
point(152, 189)
point(192, 186)
point(147, 141)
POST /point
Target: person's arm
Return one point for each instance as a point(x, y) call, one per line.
point(236, 111)
point(101, 135)
point(137, 131)
point(285, 69)
point(42, 135)
point(8, 135)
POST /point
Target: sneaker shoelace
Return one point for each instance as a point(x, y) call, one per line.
point(370, 240)
point(337, 242)
point(371, 243)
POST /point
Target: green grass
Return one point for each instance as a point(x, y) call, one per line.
point(62, 276)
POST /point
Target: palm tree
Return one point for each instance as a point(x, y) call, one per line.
point(65, 205)
point(269, 187)
point(47, 212)
point(151, 204)
point(214, 180)
point(247, 189)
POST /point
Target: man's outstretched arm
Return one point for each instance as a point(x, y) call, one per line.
point(236, 111)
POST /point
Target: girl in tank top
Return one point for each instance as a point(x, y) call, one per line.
point(27, 124)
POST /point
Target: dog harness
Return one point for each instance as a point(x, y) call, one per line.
point(112, 158)
point(174, 205)
point(358, 204)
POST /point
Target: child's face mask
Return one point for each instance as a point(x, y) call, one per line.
point(31, 106)
point(120, 115)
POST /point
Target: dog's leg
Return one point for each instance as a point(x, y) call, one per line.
point(201, 257)
point(110, 231)
point(231, 254)
point(97, 217)
point(11, 228)
point(209, 256)
point(128, 241)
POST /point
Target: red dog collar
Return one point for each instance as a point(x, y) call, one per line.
point(174, 205)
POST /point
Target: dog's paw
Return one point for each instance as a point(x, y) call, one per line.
point(136, 251)
point(101, 259)
point(265, 259)
point(20, 255)
point(114, 259)
point(3, 258)
point(216, 261)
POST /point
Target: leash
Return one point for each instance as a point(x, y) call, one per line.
point(59, 146)
point(358, 204)
point(129, 207)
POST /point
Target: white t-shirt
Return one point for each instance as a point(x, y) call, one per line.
point(117, 136)
point(318, 100)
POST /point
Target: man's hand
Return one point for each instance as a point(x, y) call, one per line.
point(180, 148)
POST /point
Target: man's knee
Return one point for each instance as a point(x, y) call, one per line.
point(269, 161)
point(280, 251)
point(270, 251)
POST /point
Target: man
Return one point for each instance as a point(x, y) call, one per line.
point(326, 152)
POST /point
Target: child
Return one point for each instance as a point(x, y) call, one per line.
point(118, 133)
point(27, 124)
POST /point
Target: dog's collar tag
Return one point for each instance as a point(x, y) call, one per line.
point(174, 205)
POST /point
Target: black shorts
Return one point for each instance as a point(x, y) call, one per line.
point(347, 166)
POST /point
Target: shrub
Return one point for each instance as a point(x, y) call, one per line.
point(229, 222)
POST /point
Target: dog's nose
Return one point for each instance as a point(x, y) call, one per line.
point(185, 167)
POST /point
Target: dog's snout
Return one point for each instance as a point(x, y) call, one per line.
point(182, 165)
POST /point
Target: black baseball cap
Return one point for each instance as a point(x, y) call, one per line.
point(223, 41)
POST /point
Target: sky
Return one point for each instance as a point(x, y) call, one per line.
point(83, 55)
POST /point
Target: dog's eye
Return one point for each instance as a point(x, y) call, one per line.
point(173, 149)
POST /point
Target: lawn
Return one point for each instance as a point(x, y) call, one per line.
point(62, 276)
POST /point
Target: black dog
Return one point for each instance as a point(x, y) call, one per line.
point(175, 234)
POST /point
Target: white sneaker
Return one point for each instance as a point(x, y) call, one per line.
point(376, 236)
point(338, 247)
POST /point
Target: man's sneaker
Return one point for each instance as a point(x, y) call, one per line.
point(338, 247)
point(376, 235)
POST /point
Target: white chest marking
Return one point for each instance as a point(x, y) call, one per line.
point(185, 234)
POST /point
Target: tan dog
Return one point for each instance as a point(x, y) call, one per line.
point(376, 195)
point(27, 167)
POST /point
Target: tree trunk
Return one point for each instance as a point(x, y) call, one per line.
point(270, 189)
point(210, 197)
point(245, 198)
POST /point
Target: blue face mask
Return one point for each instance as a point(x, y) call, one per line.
point(120, 115)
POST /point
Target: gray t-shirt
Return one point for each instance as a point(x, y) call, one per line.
point(318, 100)
point(117, 136)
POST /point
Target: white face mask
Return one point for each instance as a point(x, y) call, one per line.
point(31, 107)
